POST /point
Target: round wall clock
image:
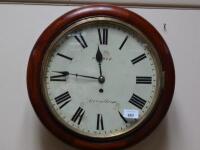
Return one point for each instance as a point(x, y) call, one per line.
point(100, 77)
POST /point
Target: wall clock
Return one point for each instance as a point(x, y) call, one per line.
point(100, 77)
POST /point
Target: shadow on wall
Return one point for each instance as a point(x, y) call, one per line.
point(158, 140)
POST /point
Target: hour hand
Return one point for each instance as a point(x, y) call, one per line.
point(99, 56)
point(99, 59)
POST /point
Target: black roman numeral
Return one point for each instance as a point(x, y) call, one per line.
point(103, 36)
point(78, 115)
point(123, 42)
point(63, 99)
point(61, 77)
point(81, 40)
point(64, 56)
point(143, 80)
point(139, 58)
point(124, 119)
point(100, 122)
point(137, 101)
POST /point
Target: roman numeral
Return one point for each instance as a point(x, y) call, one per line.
point(100, 122)
point(78, 115)
point(81, 40)
point(103, 36)
point(123, 42)
point(143, 80)
point(64, 56)
point(139, 58)
point(62, 76)
point(137, 101)
point(63, 99)
point(124, 119)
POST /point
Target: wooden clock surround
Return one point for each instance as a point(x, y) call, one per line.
point(34, 78)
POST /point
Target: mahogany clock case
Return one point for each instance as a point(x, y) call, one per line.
point(35, 67)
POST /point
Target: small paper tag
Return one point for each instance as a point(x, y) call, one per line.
point(131, 113)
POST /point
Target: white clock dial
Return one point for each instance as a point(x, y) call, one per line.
point(101, 78)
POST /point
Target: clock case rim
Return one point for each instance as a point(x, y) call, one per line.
point(35, 68)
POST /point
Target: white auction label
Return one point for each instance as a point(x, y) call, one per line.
point(131, 113)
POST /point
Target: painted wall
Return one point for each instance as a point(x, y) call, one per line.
point(172, 3)
point(20, 26)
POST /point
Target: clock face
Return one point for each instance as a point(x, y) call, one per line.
point(101, 77)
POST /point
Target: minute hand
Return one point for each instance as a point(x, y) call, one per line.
point(66, 73)
point(85, 76)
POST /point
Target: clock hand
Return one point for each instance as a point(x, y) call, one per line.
point(99, 59)
point(91, 77)
point(66, 73)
